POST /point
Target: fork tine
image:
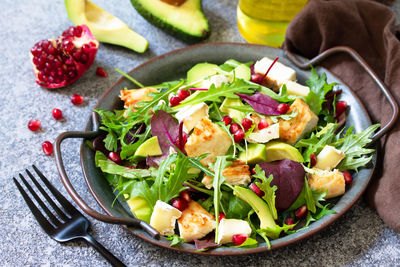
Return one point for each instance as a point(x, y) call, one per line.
point(47, 197)
point(40, 202)
point(61, 199)
point(43, 222)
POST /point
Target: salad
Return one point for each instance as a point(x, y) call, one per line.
point(232, 155)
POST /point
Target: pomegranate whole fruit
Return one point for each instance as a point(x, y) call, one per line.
point(61, 61)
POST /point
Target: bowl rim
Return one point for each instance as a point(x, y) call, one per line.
point(213, 252)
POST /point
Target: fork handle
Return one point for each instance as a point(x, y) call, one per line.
point(102, 250)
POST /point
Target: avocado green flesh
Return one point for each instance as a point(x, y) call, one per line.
point(255, 153)
point(150, 147)
point(186, 21)
point(200, 71)
point(236, 115)
point(140, 208)
point(104, 26)
point(259, 206)
point(242, 72)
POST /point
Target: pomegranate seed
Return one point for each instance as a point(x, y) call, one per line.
point(238, 136)
point(257, 78)
point(185, 196)
point(283, 108)
point(34, 125)
point(101, 72)
point(247, 123)
point(47, 148)
point(263, 124)
point(253, 171)
point(234, 128)
point(301, 212)
point(239, 239)
point(289, 221)
point(256, 190)
point(179, 204)
point(183, 94)
point(57, 114)
point(77, 99)
point(340, 107)
point(174, 101)
point(221, 216)
point(227, 120)
point(114, 156)
point(348, 179)
point(313, 160)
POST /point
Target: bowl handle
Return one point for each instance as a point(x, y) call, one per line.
point(76, 197)
point(344, 49)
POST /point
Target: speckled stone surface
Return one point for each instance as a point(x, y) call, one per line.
point(359, 238)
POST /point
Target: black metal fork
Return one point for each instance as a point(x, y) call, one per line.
point(70, 225)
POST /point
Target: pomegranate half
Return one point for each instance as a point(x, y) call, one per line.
point(61, 61)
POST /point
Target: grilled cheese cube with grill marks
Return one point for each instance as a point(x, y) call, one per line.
point(207, 137)
point(191, 115)
point(293, 130)
point(264, 135)
point(132, 97)
point(164, 217)
point(333, 181)
point(329, 158)
point(237, 173)
point(279, 74)
point(195, 222)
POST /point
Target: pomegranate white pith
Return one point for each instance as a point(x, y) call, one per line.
point(61, 61)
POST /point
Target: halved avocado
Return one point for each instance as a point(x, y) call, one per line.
point(104, 26)
point(186, 21)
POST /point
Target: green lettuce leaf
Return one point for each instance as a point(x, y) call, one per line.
point(269, 191)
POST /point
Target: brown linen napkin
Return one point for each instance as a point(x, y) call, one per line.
point(369, 28)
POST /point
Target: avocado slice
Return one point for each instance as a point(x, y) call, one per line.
point(236, 115)
point(255, 153)
point(277, 150)
point(149, 148)
point(104, 26)
point(186, 21)
point(242, 72)
point(140, 208)
point(200, 71)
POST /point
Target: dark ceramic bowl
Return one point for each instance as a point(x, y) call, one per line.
point(174, 65)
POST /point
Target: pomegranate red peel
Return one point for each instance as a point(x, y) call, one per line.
point(61, 61)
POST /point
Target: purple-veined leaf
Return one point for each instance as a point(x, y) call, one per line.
point(166, 128)
point(261, 103)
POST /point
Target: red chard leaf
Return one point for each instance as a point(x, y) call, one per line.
point(166, 128)
point(261, 103)
point(288, 177)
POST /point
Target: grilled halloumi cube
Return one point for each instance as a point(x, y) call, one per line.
point(264, 135)
point(207, 137)
point(329, 158)
point(333, 181)
point(132, 97)
point(164, 217)
point(293, 130)
point(294, 88)
point(191, 115)
point(227, 228)
point(237, 173)
point(195, 222)
point(279, 74)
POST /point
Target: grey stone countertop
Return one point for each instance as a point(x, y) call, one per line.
point(358, 238)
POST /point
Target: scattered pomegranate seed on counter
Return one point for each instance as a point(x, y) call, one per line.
point(301, 212)
point(115, 157)
point(183, 94)
point(34, 125)
point(57, 114)
point(348, 179)
point(239, 239)
point(263, 124)
point(239, 136)
point(283, 108)
point(247, 123)
point(185, 195)
point(174, 101)
point(101, 72)
point(179, 204)
point(313, 160)
point(253, 187)
point(227, 120)
point(47, 148)
point(234, 128)
point(221, 216)
point(77, 99)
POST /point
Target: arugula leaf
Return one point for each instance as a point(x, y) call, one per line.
point(318, 89)
point(249, 243)
point(275, 231)
point(214, 94)
point(175, 240)
point(322, 212)
point(309, 197)
point(269, 190)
